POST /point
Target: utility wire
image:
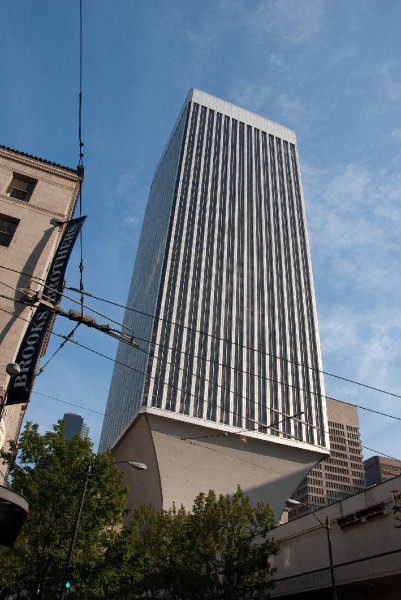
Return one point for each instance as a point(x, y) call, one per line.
point(242, 346)
point(63, 343)
point(80, 168)
point(224, 388)
point(214, 404)
point(263, 426)
point(190, 440)
point(227, 366)
point(386, 392)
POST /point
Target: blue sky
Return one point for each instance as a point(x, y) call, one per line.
point(329, 69)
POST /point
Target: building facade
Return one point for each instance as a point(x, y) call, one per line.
point(74, 424)
point(33, 191)
point(342, 473)
point(222, 299)
point(381, 468)
point(366, 549)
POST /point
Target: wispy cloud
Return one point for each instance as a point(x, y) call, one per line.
point(396, 134)
point(390, 74)
point(293, 21)
point(368, 340)
point(354, 219)
point(253, 96)
point(291, 111)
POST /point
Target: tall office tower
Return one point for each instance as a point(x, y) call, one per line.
point(33, 191)
point(232, 353)
point(340, 475)
point(75, 424)
point(379, 469)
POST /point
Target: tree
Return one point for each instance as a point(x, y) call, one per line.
point(219, 550)
point(50, 472)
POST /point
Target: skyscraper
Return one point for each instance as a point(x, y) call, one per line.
point(340, 475)
point(74, 424)
point(223, 266)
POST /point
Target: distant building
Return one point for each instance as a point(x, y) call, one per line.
point(75, 424)
point(33, 192)
point(380, 468)
point(340, 475)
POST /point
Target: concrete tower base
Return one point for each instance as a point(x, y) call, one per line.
point(185, 458)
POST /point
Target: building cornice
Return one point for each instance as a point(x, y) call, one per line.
point(39, 163)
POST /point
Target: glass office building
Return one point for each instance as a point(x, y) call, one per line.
point(224, 270)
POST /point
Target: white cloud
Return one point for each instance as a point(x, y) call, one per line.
point(390, 74)
point(396, 134)
point(354, 221)
point(293, 21)
point(368, 340)
point(278, 61)
point(291, 110)
point(253, 96)
point(133, 220)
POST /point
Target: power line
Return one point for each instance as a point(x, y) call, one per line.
point(80, 169)
point(242, 346)
point(63, 343)
point(348, 380)
point(190, 440)
point(218, 385)
point(186, 371)
point(263, 426)
point(248, 419)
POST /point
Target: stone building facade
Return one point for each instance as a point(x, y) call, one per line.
point(33, 191)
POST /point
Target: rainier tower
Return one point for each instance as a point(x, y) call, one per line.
point(226, 387)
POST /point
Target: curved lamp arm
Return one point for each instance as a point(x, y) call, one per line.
point(292, 502)
point(135, 465)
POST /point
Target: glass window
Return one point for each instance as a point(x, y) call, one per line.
point(21, 187)
point(8, 225)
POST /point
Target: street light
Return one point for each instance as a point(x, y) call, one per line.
point(136, 465)
point(327, 526)
point(68, 567)
point(12, 369)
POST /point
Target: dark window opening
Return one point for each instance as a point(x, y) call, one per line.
point(8, 225)
point(21, 187)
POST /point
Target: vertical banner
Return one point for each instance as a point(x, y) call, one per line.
point(19, 388)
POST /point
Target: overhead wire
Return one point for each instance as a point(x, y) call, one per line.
point(248, 419)
point(222, 434)
point(242, 346)
point(348, 380)
point(214, 404)
point(63, 343)
point(234, 368)
point(229, 389)
point(80, 168)
point(263, 426)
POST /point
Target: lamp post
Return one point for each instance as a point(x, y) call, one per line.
point(68, 567)
point(12, 369)
point(327, 526)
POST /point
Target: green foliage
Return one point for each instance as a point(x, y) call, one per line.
point(220, 550)
point(50, 472)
